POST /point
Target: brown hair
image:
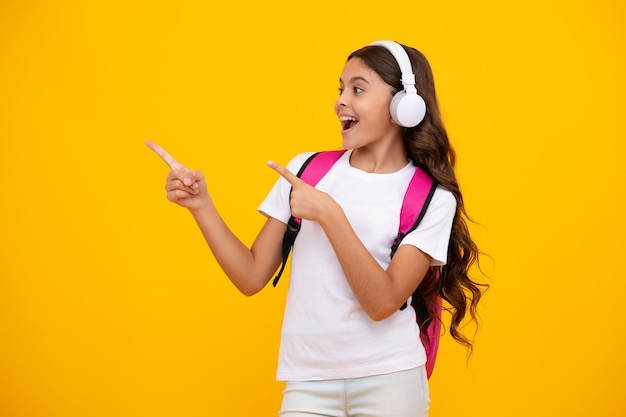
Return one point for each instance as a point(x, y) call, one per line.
point(427, 146)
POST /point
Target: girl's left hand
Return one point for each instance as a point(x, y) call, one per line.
point(306, 202)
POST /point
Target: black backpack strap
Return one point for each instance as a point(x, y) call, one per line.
point(421, 309)
point(325, 161)
point(293, 227)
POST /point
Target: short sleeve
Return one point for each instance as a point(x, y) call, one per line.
point(432, 235)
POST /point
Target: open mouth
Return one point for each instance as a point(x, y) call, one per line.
point(348, 122)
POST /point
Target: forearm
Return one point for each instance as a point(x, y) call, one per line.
point(373, 286)
point(248, 269)
point(236, 260)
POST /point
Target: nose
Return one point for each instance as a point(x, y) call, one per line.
point(341, 102)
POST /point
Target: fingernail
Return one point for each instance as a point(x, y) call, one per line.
point(187, 181)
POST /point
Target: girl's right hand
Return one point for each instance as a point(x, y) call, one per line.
point(184, 187)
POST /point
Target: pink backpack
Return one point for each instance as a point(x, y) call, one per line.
point(416, 199)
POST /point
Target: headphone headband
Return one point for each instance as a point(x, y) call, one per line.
point(407, 107)
point(401, 57)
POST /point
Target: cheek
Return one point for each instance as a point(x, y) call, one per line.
point(383, 113)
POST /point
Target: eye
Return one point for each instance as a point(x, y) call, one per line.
point(340, 90)
point(358, 90)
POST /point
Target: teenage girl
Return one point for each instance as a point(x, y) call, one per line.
point(347, 348)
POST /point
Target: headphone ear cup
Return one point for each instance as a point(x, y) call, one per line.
point(407, 110)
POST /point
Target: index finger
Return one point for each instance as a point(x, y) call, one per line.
point(171, 162)
point(285, 173)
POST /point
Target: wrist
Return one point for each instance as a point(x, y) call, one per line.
point(331, 214)
point(201, 209)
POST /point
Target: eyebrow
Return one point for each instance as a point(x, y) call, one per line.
point(355, 79)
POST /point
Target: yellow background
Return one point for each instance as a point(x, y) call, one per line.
point(110, 303)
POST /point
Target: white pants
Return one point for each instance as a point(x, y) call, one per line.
point(400, 394)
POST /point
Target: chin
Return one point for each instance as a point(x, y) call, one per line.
point(347, 143)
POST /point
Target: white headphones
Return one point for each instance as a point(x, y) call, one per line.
point(407, 108)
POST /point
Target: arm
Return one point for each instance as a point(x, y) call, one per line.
point(380, 292)
point(248, 269)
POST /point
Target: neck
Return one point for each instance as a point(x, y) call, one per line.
point(380, 158)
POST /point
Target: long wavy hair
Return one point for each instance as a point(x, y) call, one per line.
point(427, 146)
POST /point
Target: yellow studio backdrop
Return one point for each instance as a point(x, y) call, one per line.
point(110, 303)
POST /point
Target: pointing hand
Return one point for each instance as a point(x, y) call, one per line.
point(184, 187)
point(306, 202)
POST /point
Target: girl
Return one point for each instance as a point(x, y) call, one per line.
point(347, 348)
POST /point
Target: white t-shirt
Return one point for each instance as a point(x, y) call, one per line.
point(326, 334)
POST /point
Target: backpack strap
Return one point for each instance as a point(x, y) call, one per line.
point(416, 200)
point(313, 169)
point(414, 206)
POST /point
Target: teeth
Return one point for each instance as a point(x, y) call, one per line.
point(347, 121)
